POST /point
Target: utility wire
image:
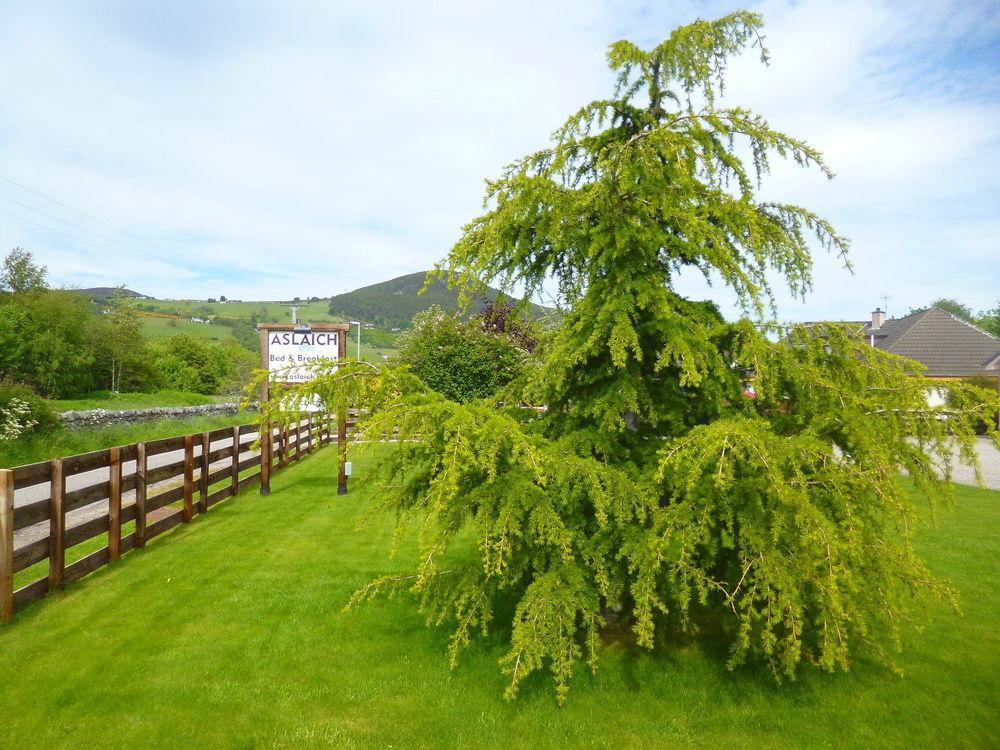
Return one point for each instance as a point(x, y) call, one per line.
point(73, 237)
point(76, 226)
point(89, 216)
point(170, 261)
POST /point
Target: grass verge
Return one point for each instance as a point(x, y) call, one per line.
point(230, 632)
point(117, 402)
point(32, 448)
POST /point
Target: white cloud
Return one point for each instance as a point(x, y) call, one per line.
point(308, 148)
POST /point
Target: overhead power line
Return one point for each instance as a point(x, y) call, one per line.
point(172, 260)
point(70, 236)
point(84, 213)
point(75, 226)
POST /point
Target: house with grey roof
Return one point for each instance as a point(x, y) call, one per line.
point(947, 346)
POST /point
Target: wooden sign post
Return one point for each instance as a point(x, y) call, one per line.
point(285, 352)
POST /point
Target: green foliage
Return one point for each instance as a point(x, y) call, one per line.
point(21, 273)
point(989, 321)
point(244, 331)
point(46, 340)
point(953, 306)
point(120, 347)
point(189, 363)
point(459, 358)
point(651, 495)
point(392, 304)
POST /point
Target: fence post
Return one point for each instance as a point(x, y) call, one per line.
point(140, 495)
point(114, 504)
point(186, 513)
point(265, 460)
point(236, 461)
point(265, 397)
point(342, 452)
point(284, 444)
point(206, 448)
point(6, 545)
point(57, 523)
point(309, 432)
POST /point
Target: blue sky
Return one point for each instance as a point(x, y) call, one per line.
point(279, 149)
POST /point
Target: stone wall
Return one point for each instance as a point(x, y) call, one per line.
point(104, 417)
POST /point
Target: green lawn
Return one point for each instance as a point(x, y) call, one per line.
point(35, 447)
point(119, 401)
point(230, 633)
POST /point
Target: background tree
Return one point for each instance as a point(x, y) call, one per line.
point(953, 306)
point(650, 492)
point(21, 273)
point(46, 341)
point(121, 348)
point(460, 359)
point(989, 320)
point(501, 317)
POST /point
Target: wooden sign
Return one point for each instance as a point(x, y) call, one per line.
point(285, 352)
point(289, 352)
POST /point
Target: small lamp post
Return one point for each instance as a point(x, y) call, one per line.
point(358, 324)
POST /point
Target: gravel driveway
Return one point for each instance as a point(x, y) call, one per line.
point(989, 459)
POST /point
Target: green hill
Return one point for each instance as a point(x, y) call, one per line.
point(391, 304)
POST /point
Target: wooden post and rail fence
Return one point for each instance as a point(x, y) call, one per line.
point(210, 473)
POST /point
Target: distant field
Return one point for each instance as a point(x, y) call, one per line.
point(162, 328)
point(266, 312)
point(271, 312)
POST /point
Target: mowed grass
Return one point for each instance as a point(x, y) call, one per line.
point(230, 633)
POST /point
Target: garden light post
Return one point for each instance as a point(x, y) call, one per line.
point(358, 324)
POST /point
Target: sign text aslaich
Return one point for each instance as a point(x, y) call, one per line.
point(289, 351)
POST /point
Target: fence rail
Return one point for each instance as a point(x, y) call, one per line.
point(214, 466)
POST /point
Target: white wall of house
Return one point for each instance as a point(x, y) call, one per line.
point(937, 396)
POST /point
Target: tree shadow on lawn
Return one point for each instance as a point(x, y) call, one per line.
point(692, 659)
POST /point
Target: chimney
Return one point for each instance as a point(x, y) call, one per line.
point(878, 318)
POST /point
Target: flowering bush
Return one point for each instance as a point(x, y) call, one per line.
point(15, 419)
point(22, 411)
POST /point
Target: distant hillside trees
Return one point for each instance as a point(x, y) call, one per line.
point(392, 304)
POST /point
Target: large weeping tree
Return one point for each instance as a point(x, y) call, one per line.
point(651, 490)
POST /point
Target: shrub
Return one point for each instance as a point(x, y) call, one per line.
point(189, 363)
point(461, 360)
